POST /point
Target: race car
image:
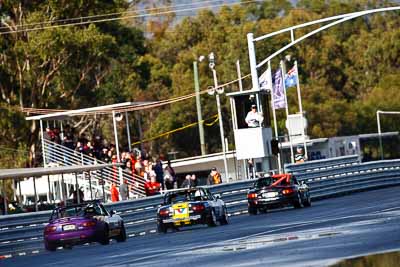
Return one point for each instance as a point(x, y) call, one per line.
point(277, 191)
point(82, 223)
point(190, 206)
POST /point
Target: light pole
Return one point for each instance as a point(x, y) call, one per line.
point(198, 105)
point(219, 91)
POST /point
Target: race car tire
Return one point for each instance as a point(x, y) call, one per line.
point(252, 210)
point(162, 228)
point(49, 246)
point(307, 201)
point(263, 210)
point(122, 235)
point(212, 219)
point(224, 219)
point(297, 204)
point(105, 239)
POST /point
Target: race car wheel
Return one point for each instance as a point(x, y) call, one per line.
point(307, 201)
point(162, 228)
point(122, 235)
point(252, 210)
point(263, 210)
point(49, 246)
point(297, 204)
point(212, 219)
point(105, 239)
point(224, 219)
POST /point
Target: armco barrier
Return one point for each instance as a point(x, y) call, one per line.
point(339, 176)
point(322, 164)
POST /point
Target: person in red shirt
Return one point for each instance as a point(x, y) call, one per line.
point(152, 187)
point(114, 193)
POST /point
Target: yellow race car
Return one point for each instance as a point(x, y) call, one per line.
point(191, 206)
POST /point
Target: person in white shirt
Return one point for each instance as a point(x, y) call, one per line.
point(254, 118)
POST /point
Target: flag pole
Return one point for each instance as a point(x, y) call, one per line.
point(301, 110)
point(287, 112)
point(269, 81)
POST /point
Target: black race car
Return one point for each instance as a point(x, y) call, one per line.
point(190, 206)
point(277, 191)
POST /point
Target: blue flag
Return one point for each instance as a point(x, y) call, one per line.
point(291, 78)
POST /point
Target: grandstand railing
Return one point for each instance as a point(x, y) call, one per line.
point(64, 156)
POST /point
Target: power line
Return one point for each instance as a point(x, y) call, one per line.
point(134, 107)
point(109, 14)
point(124, 17)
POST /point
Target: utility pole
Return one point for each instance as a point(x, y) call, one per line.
point(198, 106)
point(221, 127)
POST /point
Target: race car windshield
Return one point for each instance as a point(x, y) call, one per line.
point(263, 182)
point(69, 212)
point(180, 197)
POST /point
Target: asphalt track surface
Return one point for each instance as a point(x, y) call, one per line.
point(330, 230)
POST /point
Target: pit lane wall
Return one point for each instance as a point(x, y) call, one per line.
point(326, 178)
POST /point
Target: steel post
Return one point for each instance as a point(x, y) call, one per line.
point(253, 62)
point(379, 133)
point(43, 149)
point(78, 196)
point(50, 194)
point(90, 186)
point(117, 147)
point(5, 198)
point(198, 106)
point(128, 132)
point(221, 127)
point(35, 193)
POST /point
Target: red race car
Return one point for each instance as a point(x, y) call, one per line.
point(277, 191)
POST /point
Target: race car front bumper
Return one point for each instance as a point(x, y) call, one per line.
point(189, 219)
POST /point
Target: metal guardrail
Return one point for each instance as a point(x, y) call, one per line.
point(19, 232)
point(322, 164)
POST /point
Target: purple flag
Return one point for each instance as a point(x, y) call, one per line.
point(279, 94)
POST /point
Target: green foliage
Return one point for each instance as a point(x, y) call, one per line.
point(346, 72)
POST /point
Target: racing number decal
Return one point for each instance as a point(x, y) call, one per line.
point(181, 211)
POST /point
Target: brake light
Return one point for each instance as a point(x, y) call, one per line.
point(198, 208)
point(164, 212)
point(50, 229)
point(287, 191)
point(252, 195)
point(89, 224)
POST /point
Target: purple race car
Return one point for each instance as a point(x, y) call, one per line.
point(79, 224)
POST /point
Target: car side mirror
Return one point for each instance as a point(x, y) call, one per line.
point(113, 212)
point(217, 196)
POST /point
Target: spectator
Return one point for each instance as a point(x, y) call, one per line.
point(123, 190)
point(114, 193)
point(214, 177)
point(299, 157)
point(83, 139)
point(97, 147)
point(168, 179)
point(139, 167)
point(75, 196)
point(104, 155)
point(194, 180)
point(254, 118)
point(152, 187)
point(190, 181)
point(158, 169)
